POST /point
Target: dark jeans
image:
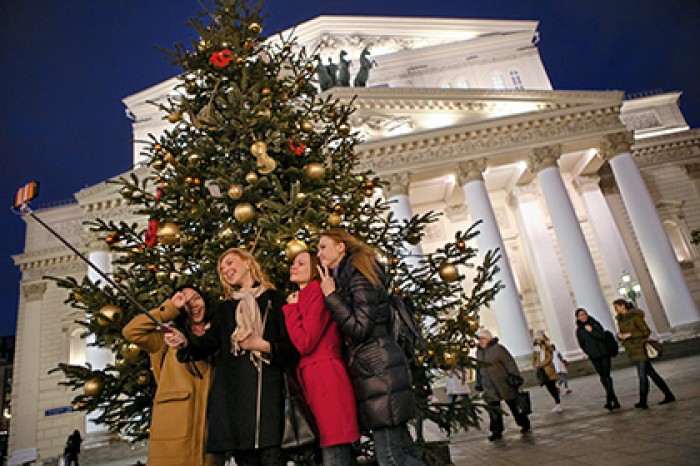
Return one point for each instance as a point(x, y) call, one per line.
point(496, 417)
point(338, 455)
point(551, 386)
point(393, 446)
point(602, 367)
point(644, 371)
point(271, 456)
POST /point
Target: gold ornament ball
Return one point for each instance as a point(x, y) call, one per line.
point(240, 61)
point(461, 245)
point(293, 248)
point(244, 212)
point(251, 178)
point(175, 117)
point(344, 129)
point(235, 191)
point(307, 126)
point(334, 220)
point(143, 378)
point(448, 272)
point(131, 352)
point(158, 164)
point(265, 91)
point(127, 192)
point(315, 171)
point(194, 158)
point(111, 313)
point(93, 386)
point(369, 192)
point(413, 239)
point(450, 360)
point(473, 324)
point(255, 28)
point(112, 238)
point(168, 234)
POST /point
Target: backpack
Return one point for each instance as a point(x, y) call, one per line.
point(611, 344)
point(402, 325)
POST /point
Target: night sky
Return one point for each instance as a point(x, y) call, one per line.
point(66, 65)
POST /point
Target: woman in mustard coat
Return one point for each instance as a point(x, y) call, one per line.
point(542, 359)
point(179, 407)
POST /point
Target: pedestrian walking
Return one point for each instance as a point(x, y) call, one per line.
point(322, 373)
point(456, 387)
point(353, 284)
point(495, 375)
point(592, 340)
point(178, 421)
point(633, 332)
point(71, 452)
point(542, 358)
point(560, 365)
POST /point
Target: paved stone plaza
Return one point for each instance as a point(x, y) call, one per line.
point(585, 433)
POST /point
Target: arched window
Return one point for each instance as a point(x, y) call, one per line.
point(678, 242)
point(515, 78)
point(497, 81)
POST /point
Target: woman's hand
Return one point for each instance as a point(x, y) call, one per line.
point(623, 336)
point(293, 298)
point(589, 328)
point(255, 343)
point(181, 297)
point(327, 282)
point(175, 339)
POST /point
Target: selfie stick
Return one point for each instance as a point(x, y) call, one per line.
point(25, 209)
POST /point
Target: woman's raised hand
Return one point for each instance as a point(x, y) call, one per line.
point(327, 281)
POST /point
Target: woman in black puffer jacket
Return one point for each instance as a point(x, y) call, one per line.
point(591, 338)
point(359, 303)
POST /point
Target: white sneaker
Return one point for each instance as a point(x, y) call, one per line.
point(558, 408)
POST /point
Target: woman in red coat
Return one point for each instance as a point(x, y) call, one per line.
point(322, 373)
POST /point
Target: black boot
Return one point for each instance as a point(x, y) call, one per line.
point(668, 398)
point(495, 436)
point(643, 395)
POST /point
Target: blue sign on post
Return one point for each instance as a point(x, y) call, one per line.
point(61, 410)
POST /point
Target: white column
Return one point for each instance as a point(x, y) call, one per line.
point(508, 309)
point(572, 244)
point(610, 242)
point(27, 371)
point(96, 356)
point(656, 248)
point(400, 204)
point(552, 289)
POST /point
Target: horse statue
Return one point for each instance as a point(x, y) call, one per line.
point(332, 71)
point(344, 70)
point(324, 78)
point(365, 65)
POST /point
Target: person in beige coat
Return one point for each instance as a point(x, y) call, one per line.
point(178, 421)
point(542, 362)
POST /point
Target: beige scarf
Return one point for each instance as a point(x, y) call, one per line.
point(248, 321)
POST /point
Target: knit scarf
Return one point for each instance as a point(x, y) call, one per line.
point(248, 321)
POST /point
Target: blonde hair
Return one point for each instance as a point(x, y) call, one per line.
point(256, 270)
point(362, 255)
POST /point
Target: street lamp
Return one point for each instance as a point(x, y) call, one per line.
point(628, 288)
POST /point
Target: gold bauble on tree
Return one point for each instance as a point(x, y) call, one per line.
point(112, 238)
point(244, 212)
point(448, 272)
point(110, 313)
point(307, 126)
point(131, 352)
point(143, 377)
point(93, 386)
point(293, 248)
point(175, 117)
point(258, 148)
point(127, 192)
point(235, 191)
point(334, 220)
point(168, 234)
point(315, 171)
point(344, 129)
point(251, 177)
point(254, 28)
point(473, 324)
point(450, 360)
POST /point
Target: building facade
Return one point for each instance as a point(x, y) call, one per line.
point(574, 188)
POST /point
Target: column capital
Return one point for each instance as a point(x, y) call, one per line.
point(544, 157)
point(398, 184)
point(34, 291)
point(615, 144)
point(471, 170)
point(692, 170)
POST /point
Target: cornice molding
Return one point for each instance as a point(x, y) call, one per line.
point(674, 148)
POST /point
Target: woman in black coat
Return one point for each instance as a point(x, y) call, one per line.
point(248, 334)
point(591, 338)
point(359, 303)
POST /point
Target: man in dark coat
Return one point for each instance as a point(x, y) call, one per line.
point(496, 365)
point(591, 338)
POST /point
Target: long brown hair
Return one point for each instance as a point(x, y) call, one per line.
point(256, 270)
point(362, 255)
point(313, 264)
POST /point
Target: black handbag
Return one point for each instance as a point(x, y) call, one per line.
point(299, 425)
point(524, 404)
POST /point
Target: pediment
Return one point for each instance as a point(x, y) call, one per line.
point(384, 114)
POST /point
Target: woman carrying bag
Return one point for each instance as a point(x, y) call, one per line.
point(633, 332)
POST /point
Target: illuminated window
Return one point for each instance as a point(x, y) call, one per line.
point(678, 242)
point(76, 347)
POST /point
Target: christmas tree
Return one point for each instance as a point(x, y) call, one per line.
point(257, 158)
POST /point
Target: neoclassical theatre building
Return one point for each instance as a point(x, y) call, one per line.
point(574, 187)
